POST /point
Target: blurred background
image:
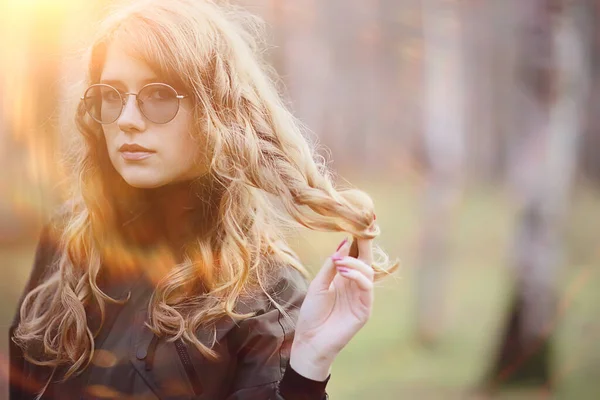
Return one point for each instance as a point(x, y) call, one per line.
point(473, 124)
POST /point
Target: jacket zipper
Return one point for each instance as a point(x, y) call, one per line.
point(189, 367)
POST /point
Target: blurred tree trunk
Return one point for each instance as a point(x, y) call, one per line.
point(305, 60)
point(480, 50)
point(354, 86)
point(553, 75)
point(591, 140)
point(444, 149)
point(489, 41)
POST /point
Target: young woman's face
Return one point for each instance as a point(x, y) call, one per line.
point(172, 154)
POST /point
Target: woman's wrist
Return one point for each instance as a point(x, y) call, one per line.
point(309, 363)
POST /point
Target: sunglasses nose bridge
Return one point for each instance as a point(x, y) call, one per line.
point(125, 97)
point(137, 105)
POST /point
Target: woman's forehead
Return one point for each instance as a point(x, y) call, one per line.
point(124, 68)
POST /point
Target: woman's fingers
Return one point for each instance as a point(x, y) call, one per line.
point(362, 263)
point(325, 276)
point(365, 287)
point(361, 280)
point(355, 264)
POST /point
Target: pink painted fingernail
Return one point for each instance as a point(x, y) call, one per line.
point(342, 270)
point(342, 244)
point(336, 257)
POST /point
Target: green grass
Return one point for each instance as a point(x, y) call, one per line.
point(384, 361)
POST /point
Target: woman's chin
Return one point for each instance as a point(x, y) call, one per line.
point(143, 181)
point(150, 177)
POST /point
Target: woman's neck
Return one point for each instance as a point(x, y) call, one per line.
point(174, 200)
point(183, 208)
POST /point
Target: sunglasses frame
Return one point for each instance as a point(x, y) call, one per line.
point(124, 96)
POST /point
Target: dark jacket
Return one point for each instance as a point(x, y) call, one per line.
point(131, 362)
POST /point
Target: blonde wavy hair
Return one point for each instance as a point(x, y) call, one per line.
point(259, 157)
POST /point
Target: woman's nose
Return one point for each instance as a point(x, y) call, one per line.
point(131, 118)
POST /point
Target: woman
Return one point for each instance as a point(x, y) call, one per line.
point(167, 275)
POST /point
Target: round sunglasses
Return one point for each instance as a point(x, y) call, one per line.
point(158, 102)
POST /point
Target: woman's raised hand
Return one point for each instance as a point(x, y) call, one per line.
point(338, 303)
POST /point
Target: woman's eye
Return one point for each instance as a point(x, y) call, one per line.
point(161, 94)
point(156, 94)
point(111, 96)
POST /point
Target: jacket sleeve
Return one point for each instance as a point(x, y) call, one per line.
point(21, 385)
point(263, 345)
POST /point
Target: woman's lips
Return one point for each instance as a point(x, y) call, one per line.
point(136, 155)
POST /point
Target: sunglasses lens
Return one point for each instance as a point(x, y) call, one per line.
point(103, 103)
point(159, 103)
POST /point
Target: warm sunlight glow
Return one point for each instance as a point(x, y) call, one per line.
point(33, 34)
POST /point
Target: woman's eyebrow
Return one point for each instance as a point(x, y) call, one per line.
point(116, 82)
